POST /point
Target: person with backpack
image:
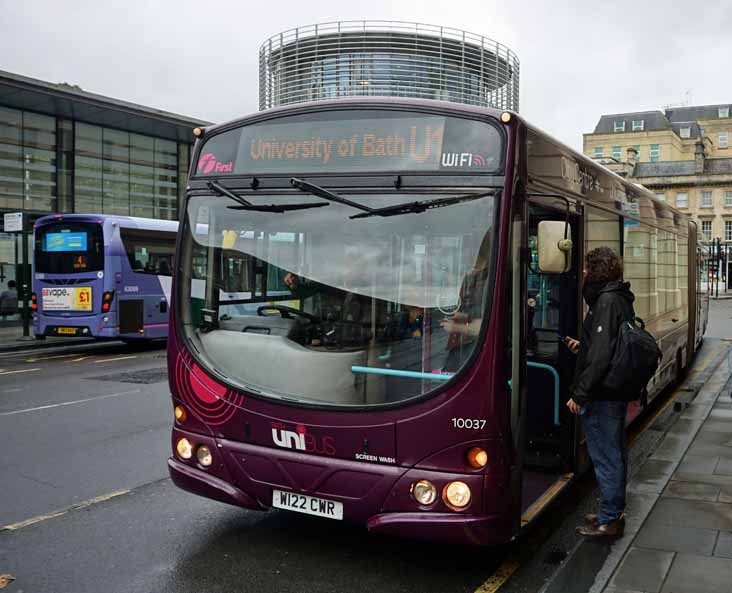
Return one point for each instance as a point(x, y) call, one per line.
point(595, 395)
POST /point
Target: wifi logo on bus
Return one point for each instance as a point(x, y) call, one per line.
point(209, 164)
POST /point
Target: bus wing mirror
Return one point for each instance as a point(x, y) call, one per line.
point(554, 246)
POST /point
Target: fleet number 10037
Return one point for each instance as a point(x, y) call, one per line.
point(468, 423)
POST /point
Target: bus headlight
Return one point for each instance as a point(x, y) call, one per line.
point(184, 448)
point(424, 492)
point(456, 495)
point(203, 454)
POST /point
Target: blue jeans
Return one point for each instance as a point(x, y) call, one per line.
point(604, 424)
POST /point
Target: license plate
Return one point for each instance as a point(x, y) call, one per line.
point(302, 503)
point(66, 330)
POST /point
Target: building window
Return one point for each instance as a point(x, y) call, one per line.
point(655, 153)
point(619, 126)
point(661, 196)
point(728, 199)
point(723, 139)
point(682, 200)
point(27, 161)
point(685, 132)
point(616, 152)
point(706, 200)
point(637, 125)
point(724, 111)
point(122, 173)
point(598, 152)
point(728, 230)
point(707, 229)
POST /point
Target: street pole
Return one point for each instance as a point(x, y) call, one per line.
point(716, 263)
point(26, 283)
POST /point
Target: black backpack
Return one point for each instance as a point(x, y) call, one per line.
point(634, 362)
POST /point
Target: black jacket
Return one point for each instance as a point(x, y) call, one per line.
point(610, 305)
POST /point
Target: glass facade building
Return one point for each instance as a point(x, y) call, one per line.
point(65, 150)
point(385, 58)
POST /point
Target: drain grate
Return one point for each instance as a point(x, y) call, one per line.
point(146, 376)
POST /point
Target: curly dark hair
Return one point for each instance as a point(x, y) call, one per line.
point(603, 265)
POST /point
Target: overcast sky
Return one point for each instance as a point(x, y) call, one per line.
point(579, 59)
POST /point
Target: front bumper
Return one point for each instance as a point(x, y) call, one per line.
point(199, 482)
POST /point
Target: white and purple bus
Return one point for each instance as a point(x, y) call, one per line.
point(102, 276)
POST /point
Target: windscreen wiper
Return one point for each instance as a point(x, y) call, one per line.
point(423, 206)
point(321, 192)
point(247, 205)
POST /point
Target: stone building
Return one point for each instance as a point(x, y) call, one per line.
point(682, 154)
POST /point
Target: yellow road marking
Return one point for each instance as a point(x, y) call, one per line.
point(81, 505)
point(78, 359)
point(502, 574)
point(114, 359)
point(37, 358)
point(19, 371)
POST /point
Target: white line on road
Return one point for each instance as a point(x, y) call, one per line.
point(20, 371)
point(37, 358)
point(81, 505)
point(114, 359)
point(78, 401)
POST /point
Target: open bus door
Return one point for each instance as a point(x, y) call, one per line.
point(551, 310)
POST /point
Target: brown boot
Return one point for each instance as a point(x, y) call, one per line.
point(613, 530)
point(590, 518)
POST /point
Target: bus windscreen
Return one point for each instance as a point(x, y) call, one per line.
point(355, 142)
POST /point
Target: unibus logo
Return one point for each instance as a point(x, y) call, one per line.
point(208, 164)
point(289, 439)
point(302, 440)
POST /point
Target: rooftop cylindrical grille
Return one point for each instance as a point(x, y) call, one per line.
point(386, 58)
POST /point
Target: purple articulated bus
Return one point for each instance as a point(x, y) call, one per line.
point(367, 304)
point(102, 276)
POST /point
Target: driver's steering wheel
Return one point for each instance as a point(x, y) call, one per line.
point(286, 312)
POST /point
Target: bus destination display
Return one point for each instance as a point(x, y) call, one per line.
point(370, 143)
point(66, 242)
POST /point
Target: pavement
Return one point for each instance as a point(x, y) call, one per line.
point(678, 536)
point(12, 339)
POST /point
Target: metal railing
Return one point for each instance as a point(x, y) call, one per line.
point(386, 58)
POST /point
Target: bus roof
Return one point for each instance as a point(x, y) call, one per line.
point(133, 222)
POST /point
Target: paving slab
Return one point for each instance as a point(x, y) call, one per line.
point(724, 545)
point(724, 426)
point(689, 540)
point(724, 467)
point(686, 426)
point(698, 574)
point(691, 513)
point(643, 570)
point(672, 447)
point(712, 444)
point(698, 464)
point(721, 414)
point(692, 491)
point(652, 477)
point(696, 410)
point(723, 481)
